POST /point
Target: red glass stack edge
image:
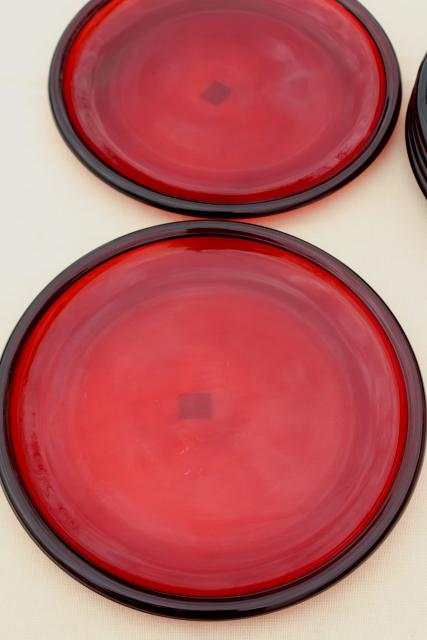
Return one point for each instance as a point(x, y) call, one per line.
point(226, 107)
point(416, 128)
point(209, 419)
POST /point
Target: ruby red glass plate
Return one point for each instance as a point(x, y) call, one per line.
point(209, 420)
point(416, 128)
point(225, 107)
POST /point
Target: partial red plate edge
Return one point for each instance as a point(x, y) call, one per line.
point(258, 603)
point(416, 127)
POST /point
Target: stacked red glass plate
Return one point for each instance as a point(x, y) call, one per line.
point(416, 128)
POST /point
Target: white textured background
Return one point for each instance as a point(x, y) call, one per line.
point(53, 211)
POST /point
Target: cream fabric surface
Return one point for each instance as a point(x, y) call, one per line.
point(54, 211)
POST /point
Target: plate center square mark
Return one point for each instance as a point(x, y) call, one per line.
point(216, 93)
point(195, 406)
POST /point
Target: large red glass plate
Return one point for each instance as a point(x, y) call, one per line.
point(209, 419)
point(225, 107)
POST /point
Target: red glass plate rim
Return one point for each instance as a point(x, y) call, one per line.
point(416, 128)
point(417, 107)
point(414, 159)
point(367, 155)
point(417, 151)
point(419, 137)
point(421, 104)
point(242, 606)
